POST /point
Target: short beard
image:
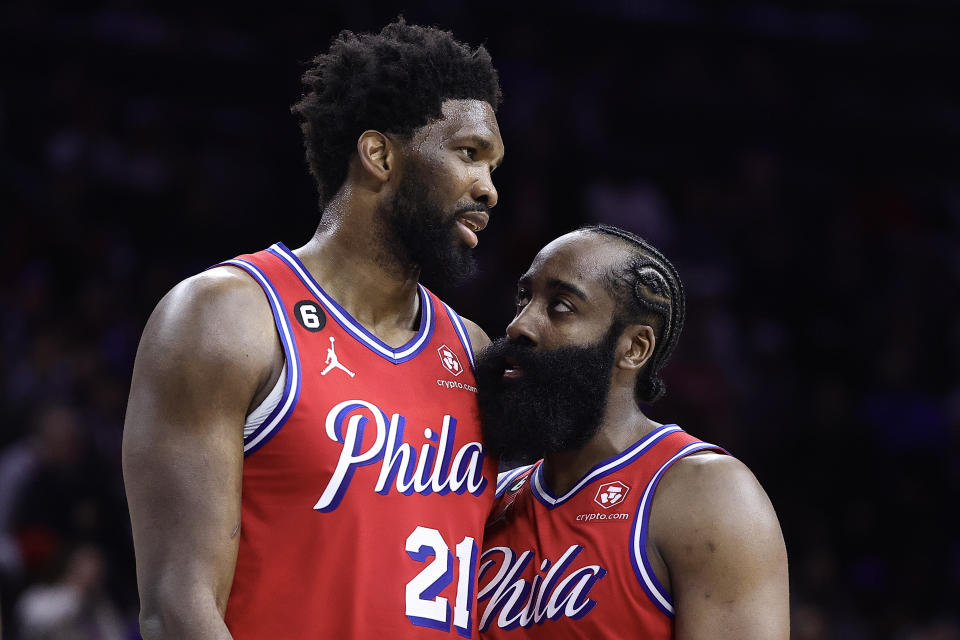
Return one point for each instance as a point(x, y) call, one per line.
point(424, 236)
point(556, 405)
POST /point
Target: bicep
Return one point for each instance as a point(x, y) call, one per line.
point(727, 561)
point(183, 458)
point(182, 475)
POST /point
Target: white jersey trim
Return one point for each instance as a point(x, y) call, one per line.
point(461, 331)
point(263, 410)
point(638, 548)
point(504, 479)
point(291, 391)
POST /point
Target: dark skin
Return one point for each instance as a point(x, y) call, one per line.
point(210, 354)
point(715, 542)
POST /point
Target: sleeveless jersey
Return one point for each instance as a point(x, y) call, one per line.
point(576, 566)
point(366, 489)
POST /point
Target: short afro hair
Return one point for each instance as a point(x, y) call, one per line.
point(394, 81)
point(647, 289)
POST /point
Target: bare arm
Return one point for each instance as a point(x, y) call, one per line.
point(204, 355)
point(726, 563)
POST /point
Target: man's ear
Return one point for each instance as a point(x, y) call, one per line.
point(377, 154)
point(641, 342)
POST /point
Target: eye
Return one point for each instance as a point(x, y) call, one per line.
point(523, 297)
point(561, 306)
point(467, 152)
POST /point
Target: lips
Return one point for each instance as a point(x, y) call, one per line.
point(475, 221)
point(512, 368)
point(469, 224)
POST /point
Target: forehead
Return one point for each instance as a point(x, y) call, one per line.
point(464, 118)
point(581, 259)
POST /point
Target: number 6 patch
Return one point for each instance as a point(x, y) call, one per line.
point(310, 315)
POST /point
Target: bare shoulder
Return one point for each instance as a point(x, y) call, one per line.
point(219, 291)
point(708, 476)
point(478, 337)
point(717, 532)
point(213, 330)
point(215, 313)
point(710, 493)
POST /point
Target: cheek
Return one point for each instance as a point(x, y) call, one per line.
point(444, 176)
point(446, 165)
point(576, 332)
point(453, 176)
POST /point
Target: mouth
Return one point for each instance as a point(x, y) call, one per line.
point(512, 370)
point(470, 223)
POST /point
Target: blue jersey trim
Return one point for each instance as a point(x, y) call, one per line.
point(506, 478)
point(461, 330)
point(291, 389)
point(542, 492)
point(395, 355)
point(638, 534)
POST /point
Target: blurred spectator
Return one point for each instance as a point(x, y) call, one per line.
point(60, 494)
point(74, 606)
point(53, 444)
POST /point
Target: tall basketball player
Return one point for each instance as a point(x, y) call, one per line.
point(625, 528)
point(302, 449)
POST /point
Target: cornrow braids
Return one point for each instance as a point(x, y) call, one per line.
point(648, 285)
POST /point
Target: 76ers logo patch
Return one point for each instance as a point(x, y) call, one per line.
point(449, 360)
point(611, 494)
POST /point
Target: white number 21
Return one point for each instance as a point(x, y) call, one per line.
point(425, 607)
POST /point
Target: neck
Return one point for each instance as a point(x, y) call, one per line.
point(623, 424)
point(348, 257)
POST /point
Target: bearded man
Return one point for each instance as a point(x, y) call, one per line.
point(301, 452)
point(623, 527)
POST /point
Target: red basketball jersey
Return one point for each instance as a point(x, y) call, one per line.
point(365, 492)
point(575, 566)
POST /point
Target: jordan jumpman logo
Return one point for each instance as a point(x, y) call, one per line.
point(332, 362)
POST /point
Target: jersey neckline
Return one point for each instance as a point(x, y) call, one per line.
point(540, 490)
point(351, 325)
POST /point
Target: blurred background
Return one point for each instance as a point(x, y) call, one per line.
point(797, 161)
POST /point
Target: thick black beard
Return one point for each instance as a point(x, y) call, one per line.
point(424, 235)
point(556, 405)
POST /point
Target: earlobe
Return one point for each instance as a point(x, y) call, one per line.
point(640, 349)
point(375, 151)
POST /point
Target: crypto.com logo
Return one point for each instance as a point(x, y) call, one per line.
point(449, 360)
point(610, 494)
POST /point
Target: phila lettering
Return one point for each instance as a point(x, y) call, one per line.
point(518, 602)
point(434, 469)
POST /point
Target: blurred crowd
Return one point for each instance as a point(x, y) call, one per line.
point(799, 166)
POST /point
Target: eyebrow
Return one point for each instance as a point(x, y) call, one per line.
point(559, 285)
point(482, 143)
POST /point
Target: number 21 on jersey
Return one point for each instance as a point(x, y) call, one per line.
point(425, 607)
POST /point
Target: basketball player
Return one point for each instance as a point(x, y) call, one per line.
point(625, 528)
point(302, 449)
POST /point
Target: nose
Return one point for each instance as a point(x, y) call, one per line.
point(484, 191)
point(523, 328)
